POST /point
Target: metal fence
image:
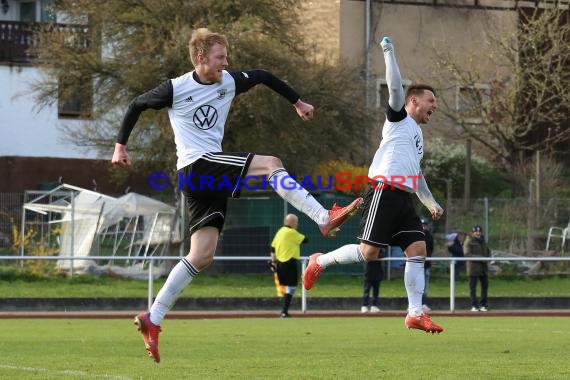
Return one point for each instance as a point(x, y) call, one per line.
point(509, 225)
point(304, 260)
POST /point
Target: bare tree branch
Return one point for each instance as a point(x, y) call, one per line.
point(525, 106)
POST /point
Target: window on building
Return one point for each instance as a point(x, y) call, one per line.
point(28, 11)
point(382, 92)
point(75, 98)
point(471, 101)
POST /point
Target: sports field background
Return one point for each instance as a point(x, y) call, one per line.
point(297, 348)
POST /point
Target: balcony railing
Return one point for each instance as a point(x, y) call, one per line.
point(17, 39)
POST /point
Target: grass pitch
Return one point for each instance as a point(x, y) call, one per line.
point(296, 348)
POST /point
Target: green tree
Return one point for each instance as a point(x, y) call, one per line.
point(444, 160)
point(125, 48)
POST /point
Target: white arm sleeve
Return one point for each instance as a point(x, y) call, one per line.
point(426, 196)
point(394, 81)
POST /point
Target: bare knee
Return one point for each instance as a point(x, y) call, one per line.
point(369, 252)
point(203, 245)
point(200, 260)
point(417, 248)
point(272, 163)
point(261, 165)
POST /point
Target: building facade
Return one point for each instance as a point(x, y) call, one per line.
point(35, 149)
point(420, 30)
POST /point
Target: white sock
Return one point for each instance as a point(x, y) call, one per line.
point(181, 275)
point(290, 290)
point(297, 196)
point(414, 280)
point(347, 254)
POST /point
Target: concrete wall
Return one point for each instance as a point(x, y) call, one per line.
point(320, 24)
point(416, 31)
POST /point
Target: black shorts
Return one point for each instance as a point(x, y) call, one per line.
point(208, 182)
point(389, 218)
point(288, 272)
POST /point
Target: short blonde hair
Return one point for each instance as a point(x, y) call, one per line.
point(202, 41)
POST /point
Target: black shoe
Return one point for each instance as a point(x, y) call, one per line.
point(285, 315)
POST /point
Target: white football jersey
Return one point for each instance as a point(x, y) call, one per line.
point(198, 111)
point(399, 155)
point(198, 115)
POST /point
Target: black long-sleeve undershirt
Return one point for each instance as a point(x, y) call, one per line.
point(162, 96)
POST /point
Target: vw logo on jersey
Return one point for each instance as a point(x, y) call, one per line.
point(419, 145)
point(205, 117)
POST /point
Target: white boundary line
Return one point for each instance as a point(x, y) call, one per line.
point(70, 373)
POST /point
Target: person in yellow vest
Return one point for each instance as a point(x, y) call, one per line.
point(285, 253)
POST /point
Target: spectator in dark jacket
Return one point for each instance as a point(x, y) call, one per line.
point(455, 249)
point(475, 246)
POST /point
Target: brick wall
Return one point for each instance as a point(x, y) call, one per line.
point(18, 174)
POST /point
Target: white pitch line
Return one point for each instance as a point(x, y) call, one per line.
point(71, 373)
